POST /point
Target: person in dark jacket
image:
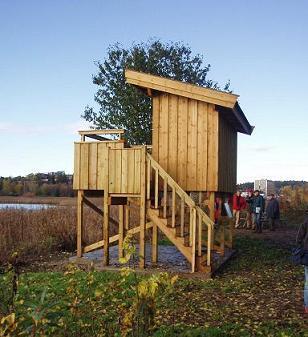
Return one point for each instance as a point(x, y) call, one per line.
point(249, 201)
point(302, 241)
point(257, 210)
point(272, 211)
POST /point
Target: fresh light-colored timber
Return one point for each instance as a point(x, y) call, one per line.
point(193, 152)
point(80, 228)
point(181, 89)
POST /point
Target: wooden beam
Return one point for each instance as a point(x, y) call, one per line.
point(149, 92)
point(98, 210)
point(142, 209)
point(126, 217)
point(106, 211)
point(154, 243)
point(97, 137)
point(100, 244)
point(101, 132)
point(80, 228)
point(121, 230)
point(106, 231)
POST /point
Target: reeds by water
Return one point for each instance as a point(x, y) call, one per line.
point(39, 232)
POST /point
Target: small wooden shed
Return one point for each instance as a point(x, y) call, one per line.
point(194, 132)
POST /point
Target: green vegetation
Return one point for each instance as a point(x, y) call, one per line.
point(53, 184)
point(123, 106)
point(257, 294)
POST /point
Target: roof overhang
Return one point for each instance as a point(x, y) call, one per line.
point(226, 102)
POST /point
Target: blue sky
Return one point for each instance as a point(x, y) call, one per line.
point(47, 55)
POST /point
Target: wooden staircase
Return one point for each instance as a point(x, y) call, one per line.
point(176, 214)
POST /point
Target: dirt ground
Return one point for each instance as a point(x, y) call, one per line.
point(282, 237)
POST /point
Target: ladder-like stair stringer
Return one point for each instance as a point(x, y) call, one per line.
point(176, 214)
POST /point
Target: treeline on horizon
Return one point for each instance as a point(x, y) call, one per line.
point(52, 184)
point(59, 184)
point(279, 184)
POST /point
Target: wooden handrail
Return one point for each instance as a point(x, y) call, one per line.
point(197, 215)
point(171, 182)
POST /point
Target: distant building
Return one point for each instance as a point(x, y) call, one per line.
point(265, 187)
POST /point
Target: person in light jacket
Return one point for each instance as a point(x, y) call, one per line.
point(302, 241)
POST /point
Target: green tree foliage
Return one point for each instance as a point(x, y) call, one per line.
point(52, 184)
point(123, 106)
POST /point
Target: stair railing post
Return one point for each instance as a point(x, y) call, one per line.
point(173, 207)
point(199, 235)
point(209, 244)
point(165, 198)
point(148, 178)
point(190, 225)
point(156, 189)
point(193, 246)
point(182, 217)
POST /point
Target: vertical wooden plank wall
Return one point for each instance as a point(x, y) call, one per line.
point(185, 141)
point(91, 162)
point(227, 155)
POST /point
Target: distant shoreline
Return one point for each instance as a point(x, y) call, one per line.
point(61, 201)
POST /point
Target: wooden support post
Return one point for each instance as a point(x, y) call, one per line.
point(126, 217)
point(106, 211)
point(121, 230)
point(106, 230)
point(193, 243)
point(154, 243)
point(200, 198)
point(142, 210)
point(211, 206)
point(222, 239)
point(79, 222)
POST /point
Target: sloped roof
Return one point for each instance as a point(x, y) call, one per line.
point(226, 102)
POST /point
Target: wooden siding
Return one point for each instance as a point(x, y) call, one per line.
point(227, 157)
point(99, 163)
point(185, 141)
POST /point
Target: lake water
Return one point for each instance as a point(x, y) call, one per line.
point(31, 207)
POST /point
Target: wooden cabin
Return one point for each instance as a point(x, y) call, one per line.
point(194, 150)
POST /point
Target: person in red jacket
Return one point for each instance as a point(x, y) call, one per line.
point(239, 204)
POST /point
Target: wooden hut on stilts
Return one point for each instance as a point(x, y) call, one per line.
point(192, 164)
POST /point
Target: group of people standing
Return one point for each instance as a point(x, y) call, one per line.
point(254, 207)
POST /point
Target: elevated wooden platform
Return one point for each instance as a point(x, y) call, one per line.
point(123, 176)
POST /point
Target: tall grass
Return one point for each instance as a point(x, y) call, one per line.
point(39, 232)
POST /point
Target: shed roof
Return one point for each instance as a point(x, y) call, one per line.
point(226, 102)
